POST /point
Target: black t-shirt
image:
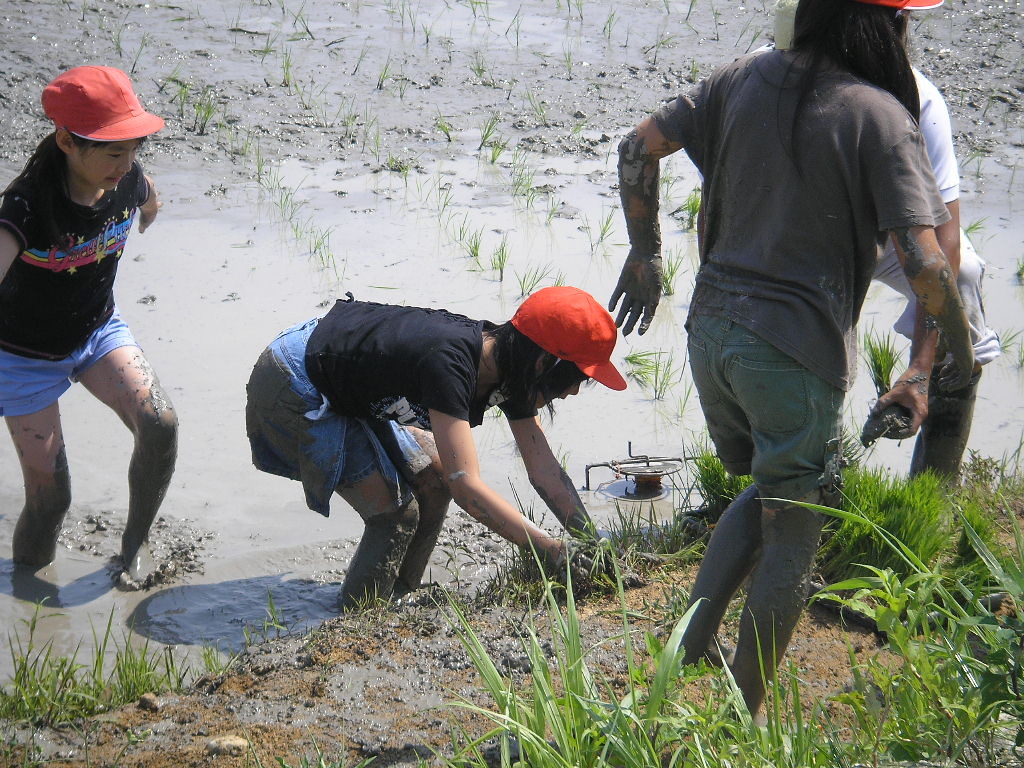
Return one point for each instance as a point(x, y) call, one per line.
point(389, 362)
point(56, 294)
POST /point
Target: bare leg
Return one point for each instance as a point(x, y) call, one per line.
point(124, 381)
point(775, 597)
point(389, 530)
point(432, 497)
point(39, 441)
point(729, 558)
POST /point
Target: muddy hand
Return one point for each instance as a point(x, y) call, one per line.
point(894, 421)
point(639, 288)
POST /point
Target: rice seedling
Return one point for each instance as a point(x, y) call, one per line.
point(531, 279)
point(609, 25)
point(672, 267)
point(145, 41)
point(385, 73)
point(515, 25)
point(1019, 271)
point(882, 359)
point(359, 59)
point(498, 145)
point(442, 124)
point(663, 40)
point(715, 486)
point(538, 106)
point(554, 205)
point(181, 96)
point(478, 66)
point(472, 243)
point(500, 258)
point(300, 24)
point(117, 33)
point(487, 130)
point(567, 60)
point(975, 227)
point(521, 174)
point(204, 107)
point(600, 234)
point(689, 211)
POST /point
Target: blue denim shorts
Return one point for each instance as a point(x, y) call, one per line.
point(28, 385)
point(768, 415)
point(294, 433)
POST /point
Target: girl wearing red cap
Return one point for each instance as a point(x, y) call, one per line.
point(811, 159)
point(375, 402)
point(63, 225)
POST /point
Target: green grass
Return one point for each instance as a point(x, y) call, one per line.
point(654, 370)
point(882, 357)
point(50, 689)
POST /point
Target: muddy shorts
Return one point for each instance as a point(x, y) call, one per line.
point(294, 433)
point(768, 416)
point(28, 385)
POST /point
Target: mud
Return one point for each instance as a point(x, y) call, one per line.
point(314, 149)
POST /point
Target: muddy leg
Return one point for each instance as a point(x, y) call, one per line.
point(390, 528)
point(775, 596)
point(39, 442)
point(730, 556)
point(433, 498)
point(940, 445)
point(125, 382)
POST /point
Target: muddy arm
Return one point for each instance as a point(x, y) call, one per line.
point(639, 285)
point(938, 301)
point(551, 482)
point(457, 452)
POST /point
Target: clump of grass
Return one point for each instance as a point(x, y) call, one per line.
point(500, 258)
point(672, 267)
point(531, 279)
point(882, 359)
point(916, 511)
point(654, 370)
point(50, 689)
point(715, 486)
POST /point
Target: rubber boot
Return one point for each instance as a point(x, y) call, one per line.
point(729, 558)
point(943, 439)
point(374, 567)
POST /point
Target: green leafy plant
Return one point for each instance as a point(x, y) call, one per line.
point(882, 359)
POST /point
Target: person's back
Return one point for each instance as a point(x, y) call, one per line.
point(777, 201)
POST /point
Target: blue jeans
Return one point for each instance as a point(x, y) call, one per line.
point(768, 415)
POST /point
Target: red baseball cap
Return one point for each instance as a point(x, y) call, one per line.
point(905, 5)
point(98, 103)
point(570, 324)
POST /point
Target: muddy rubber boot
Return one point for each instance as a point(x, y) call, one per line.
point(374, 567)
point(943, 439)
point(730, 556)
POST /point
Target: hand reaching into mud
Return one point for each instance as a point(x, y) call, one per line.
point(149, 209)
point(639, 287)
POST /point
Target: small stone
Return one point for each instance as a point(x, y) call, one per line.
point(149, 702)
point(227, 745)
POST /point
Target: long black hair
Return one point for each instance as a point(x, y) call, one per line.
point(869, 41)
point(526, 372)
point(46, 174)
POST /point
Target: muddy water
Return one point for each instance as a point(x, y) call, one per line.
point(231, 261)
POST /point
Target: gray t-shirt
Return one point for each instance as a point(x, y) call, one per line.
point(793, 227)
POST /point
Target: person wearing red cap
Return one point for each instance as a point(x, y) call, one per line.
point(375, 402)
point(811, 159)
point(63, 225)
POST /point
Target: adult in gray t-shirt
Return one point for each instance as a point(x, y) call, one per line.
point(807, 169)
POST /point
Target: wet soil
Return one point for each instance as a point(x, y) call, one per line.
point(314, 149)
